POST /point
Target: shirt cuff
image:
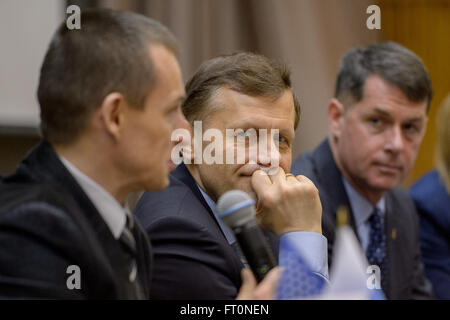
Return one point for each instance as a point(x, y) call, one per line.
point(313, 249)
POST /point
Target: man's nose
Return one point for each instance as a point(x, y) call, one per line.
point(395, 141)
point(181, 122)
point(268, 153)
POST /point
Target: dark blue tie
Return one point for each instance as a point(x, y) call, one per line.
point(376, 250)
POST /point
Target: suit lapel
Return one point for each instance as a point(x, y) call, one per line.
point(183, 174)
point(331, 190)
point(49, 164)
point(43, 165)
point(396, 258)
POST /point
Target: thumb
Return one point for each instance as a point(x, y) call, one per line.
point(248, 285)
point(266, 289)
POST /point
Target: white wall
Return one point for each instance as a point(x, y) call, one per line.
point(26, 27)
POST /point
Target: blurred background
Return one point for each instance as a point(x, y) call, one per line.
point(309, 35)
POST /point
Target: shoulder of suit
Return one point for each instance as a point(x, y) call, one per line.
point(303, 164)
point(173, 201)
point(430, 186)
point(401, 203)
point(41, 212)
point(432, 199)
point(17, 196)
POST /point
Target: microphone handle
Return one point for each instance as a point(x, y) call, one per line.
point(255, 249)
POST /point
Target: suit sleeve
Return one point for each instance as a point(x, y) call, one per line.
point(35, 241)
point(435, 253)
point(421, 288)
point(189, 263)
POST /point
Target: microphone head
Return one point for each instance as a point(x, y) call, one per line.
point(236, 208)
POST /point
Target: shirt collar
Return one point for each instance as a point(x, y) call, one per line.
point(361, 207)
point(209, 201)
point(109, 208)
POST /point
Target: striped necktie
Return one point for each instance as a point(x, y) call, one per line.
point(377, 250)
point(128, 240)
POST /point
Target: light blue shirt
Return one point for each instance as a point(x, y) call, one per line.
point(362, 210)
point(311, 245)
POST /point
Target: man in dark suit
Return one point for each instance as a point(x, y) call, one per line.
point(110, 96)
point(376, 120)
point(431, 195)
point(106, 91)
point(196, 255)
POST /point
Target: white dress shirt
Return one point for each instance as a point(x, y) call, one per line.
point(362, 210)
point(109, 208)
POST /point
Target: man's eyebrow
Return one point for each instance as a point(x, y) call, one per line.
point(382, 112)
point(177, 101)
point(249, 124)
point(181, 99)
point(415, 119)
point(387, 114)
point(290, 133)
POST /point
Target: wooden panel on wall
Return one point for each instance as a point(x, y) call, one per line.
point(12, 149)
point(423, 26)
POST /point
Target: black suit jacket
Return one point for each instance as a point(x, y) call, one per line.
point(193, 259)
point(48, 223)
point(406, 274)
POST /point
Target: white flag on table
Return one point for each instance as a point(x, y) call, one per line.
point(348, 277)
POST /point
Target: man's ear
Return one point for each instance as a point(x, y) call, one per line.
point(188, 147)
point(335, 117)
point(111, 113)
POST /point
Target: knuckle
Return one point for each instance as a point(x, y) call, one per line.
point(283, 188)
point(267, 199)
point(311, 189)
point(293, 191)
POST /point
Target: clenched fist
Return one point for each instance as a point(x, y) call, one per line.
point(287, 203)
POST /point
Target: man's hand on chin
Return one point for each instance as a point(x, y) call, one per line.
point(287, 203)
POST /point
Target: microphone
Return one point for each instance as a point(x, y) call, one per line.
point(237, 211)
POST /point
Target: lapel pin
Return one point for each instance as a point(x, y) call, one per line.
point(394, 234)
point(342, 216)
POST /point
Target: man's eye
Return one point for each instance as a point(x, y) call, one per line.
point(280, 139)
point(411, 128)
point(172, 110)
point(375, 121)
point(242, 133)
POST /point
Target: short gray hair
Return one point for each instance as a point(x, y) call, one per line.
point(394, 63)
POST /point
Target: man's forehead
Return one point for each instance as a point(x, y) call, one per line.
point(244, 109)
point(406, 112)
point(386, 99)
point(167, 73)
point(263, 122)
